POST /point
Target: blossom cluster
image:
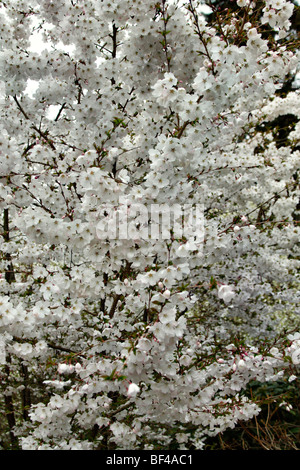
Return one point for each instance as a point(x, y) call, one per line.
point(110, 341)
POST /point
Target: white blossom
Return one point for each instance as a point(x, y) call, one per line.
point(133, 390)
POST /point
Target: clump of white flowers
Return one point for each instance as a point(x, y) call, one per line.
point(149, 244)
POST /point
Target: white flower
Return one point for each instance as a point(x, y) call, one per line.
point(87, 158)
point(241, 364)
point(292, 378)
point(62, 368)
point(144, 345)
point(181, 438)
point(65, 368)
point(124, 176)
point(252, 33)
point(226, 293)
point(133, 390)
point(170, 80)
point(167, 315)
point(163, 89)
point(242, 3)
point(296, 356)
point(9, 199)
point(167, 294)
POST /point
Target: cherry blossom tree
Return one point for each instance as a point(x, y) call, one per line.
point(140, 342)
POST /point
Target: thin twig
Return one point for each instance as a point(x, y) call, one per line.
point(39, 131)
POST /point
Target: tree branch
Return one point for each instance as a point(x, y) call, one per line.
point(39, 131)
